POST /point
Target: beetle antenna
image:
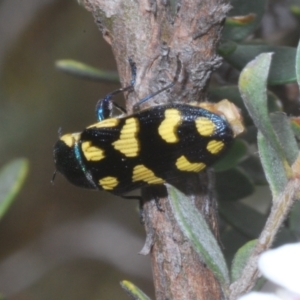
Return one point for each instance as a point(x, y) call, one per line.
point(178, 70)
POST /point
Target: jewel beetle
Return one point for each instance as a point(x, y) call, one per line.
point(121, 153)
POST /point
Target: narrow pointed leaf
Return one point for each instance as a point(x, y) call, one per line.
point(82, 70)
point(133, 291)
point(227, 47)
point(274, 167)
point(285, 135)
point(241, 20)
point(250, 12)
point(240, 259)
point(282, 69)
point(195, 228)
point(252, 85)
point(12, 177)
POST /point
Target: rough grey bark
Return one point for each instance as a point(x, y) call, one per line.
point(156, 34)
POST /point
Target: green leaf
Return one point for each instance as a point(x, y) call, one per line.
point(283, 63)
point(252, 85)
point(226, 48)
point(284, 132)
point(195, 228)
point(243, 218)
point(82, 70)
point(133, 291)
point(233, 185)
point(240, 30)
point(12, 177)
point(240, 259)
point(273, 165)
point(235, 154)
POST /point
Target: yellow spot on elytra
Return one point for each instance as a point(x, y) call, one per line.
point(108, 183)
point(183, 164)
point(70, 139)
point(128, 143)
point(92, 153)
point(140, 172)
point(112, 122)
point(167, 128)
point(205, 126)
point(227, 110)
point(214, 147)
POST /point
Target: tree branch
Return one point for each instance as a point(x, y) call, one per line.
point(155, 34)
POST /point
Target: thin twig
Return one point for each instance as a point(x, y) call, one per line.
point(282, 205)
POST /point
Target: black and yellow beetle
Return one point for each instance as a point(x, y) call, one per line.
point(153, 146)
